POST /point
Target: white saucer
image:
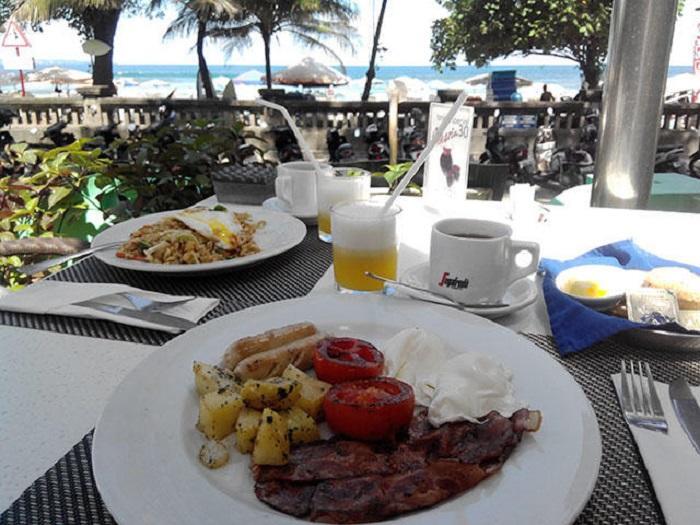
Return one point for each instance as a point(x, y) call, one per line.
point(276, 204)
point(518, 295)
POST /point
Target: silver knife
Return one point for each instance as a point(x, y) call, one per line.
point(152, 317)
point(687, 410)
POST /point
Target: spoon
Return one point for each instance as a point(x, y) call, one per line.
point(438, 298)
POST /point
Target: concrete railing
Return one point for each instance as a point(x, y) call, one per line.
point(679, 122)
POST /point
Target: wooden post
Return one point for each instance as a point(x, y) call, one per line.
point(393, 126)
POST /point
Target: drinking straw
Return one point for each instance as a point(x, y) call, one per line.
point(302, 143)
point(424, 154)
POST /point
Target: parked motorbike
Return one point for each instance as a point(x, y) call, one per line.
point(497, 152)
point(288, 149)
point(671, 158)
point(413, 143)
point(378, 143)
point(56, 134)
point(6, 116)
point(589, 134)
point(339, 148)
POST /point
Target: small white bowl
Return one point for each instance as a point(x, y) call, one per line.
point(611, 279)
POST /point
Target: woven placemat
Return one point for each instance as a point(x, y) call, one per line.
point(622, 496)
point(292, 274)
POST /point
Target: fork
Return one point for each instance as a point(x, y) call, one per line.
point(641, 404)
point(148, 305)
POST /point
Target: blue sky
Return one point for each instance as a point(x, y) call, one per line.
point(406, 35)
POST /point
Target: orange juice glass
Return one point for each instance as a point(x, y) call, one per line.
point(364, 240)
point(343, 184)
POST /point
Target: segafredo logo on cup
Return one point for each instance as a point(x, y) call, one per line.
point(453, 282)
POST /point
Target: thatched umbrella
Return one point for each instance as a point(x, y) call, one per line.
point(310, 73)
point(60, 75)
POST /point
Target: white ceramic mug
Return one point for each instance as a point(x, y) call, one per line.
point(295, 185)
point(474, 261)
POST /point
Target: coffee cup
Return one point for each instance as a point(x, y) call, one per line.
point(295, 186)
point(474, 261)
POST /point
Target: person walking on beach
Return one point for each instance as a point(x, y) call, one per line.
point(546, 95)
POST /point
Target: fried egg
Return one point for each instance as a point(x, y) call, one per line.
point(219, 226)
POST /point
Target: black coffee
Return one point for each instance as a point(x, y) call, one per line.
point(471, 236)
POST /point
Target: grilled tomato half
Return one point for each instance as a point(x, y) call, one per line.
point(339, 359)
point(369, 409)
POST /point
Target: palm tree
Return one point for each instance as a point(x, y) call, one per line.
point(310, 22)
point(200, 16)
point(375, 45)
point(92, 18)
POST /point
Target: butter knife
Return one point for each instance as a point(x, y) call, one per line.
point(687, 410)
point(152, 317)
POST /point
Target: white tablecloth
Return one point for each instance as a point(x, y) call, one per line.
point(53, 387)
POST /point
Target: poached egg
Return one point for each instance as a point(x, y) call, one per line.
point(454, 387)
point(219, 226)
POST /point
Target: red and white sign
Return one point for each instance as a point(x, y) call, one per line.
point(14, 36)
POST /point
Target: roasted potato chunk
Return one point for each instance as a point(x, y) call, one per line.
point(210, 378)
point(272, 441)
point(246, 429)
point(213, 454)
point(312, 391)
point(301, 427)
point(276, 393)
point(218, 413)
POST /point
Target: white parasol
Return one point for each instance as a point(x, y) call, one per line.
point(96, 48)
point(682, 82)
point(252, 76)
point(484, 78)
point(310, 73)
point(60, 75)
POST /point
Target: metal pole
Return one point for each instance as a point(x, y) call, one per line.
point(641, 33)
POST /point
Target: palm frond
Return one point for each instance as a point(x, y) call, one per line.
point(313, 43)
point(42, 10)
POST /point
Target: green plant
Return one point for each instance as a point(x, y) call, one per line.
point(393, 175)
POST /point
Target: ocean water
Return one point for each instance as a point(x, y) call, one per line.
point(182, 77)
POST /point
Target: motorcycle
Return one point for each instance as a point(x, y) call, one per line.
point(378, 147)
point(516, 156)
point(413, 143)
point(6, 116)
point(671, 158)
point(339, 149)
point(288, 149)
point(56, 134)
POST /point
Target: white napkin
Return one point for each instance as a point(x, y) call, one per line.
point(672, 462)
point(58, 298)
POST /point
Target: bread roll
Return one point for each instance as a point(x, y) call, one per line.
point(683, 283)
point(243, 348)
point(273, 362)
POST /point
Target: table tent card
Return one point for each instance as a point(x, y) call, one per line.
point(446, 170)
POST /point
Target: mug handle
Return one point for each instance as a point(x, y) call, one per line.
point(283, 189)
point(523, 271)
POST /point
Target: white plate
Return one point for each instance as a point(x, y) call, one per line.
point(613, 279)
point(145, 446)
point(281, 233)
point(275, 204)
point(520, 294)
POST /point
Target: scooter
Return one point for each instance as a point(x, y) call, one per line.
point(339, 149)
point(413, 143)
point(378, 147)
point(286, 144)
point(6, 116)
point(56, 134)
point(671, 158)
point(517, 156)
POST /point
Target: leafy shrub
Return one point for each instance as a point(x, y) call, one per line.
point(80, 189)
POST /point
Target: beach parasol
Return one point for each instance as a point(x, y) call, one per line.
point(484, 78)
point(60, 75)
point(310, 73)
point(252, 76)
point(9, 77)
point(682, 82)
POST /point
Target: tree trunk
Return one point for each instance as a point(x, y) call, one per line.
point(268, 69)
point(375, 44)
point(104, 28)
point(591, 73)
point(203, 68)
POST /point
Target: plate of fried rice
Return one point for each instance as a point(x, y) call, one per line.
point(200, 239)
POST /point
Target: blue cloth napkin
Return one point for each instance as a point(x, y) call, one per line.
point(575, 326)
